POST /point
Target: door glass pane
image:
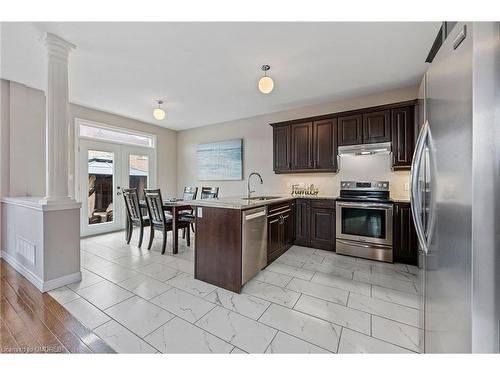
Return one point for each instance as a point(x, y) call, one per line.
point(363, 222)
point(138, 173)
point(100, 186)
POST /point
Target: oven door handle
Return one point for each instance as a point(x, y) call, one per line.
point(371, 245)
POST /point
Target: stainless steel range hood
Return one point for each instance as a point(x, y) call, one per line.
point(365, 149)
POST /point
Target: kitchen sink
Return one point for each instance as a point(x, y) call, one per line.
point(260, 198)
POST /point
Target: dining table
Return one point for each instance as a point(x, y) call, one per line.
point(174, 206)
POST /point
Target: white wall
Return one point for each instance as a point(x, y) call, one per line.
point(257, 151)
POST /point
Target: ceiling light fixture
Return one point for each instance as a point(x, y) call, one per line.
point(266, 83)
point(159, 113)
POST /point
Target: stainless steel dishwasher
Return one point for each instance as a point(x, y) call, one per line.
point(254, 242)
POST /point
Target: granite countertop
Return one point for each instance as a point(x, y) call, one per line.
point(400, 199)
point(237, 203)
point(242, 203)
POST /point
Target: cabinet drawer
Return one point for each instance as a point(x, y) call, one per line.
point(323, 203)
point(278, 208)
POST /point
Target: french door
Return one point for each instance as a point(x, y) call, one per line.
point(105, 169)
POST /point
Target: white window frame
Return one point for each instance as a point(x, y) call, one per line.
point(77, 137)
point(79, 122)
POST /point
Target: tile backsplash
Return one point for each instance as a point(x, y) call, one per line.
point(357, 168)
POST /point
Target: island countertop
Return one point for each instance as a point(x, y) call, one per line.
point(242, 203)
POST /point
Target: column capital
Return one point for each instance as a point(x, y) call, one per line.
point(57, 46)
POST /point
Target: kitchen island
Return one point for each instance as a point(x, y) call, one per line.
point(237, 237)
point(231, 238)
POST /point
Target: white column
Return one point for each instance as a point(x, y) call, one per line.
point(57, 125)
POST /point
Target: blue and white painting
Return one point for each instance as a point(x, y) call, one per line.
point(220, 160)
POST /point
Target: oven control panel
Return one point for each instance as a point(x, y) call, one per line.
point(365, 185)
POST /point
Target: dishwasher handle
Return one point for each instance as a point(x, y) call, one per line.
point(255, 215)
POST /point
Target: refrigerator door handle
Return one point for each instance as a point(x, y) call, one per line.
point(414, 196)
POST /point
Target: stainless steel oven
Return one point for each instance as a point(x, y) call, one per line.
point(364, 229)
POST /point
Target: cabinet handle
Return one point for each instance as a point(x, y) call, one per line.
point(289, 165)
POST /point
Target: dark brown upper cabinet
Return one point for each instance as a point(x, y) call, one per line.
point(281, 149)
point(305, 147)
point(377, 127)
point(403, 137)
point(302, 146)
point(325, 145)
point(311, 144)
point(350, 130)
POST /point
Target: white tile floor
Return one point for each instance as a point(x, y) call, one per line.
point(307, 301)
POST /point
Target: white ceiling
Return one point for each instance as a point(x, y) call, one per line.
point(208, 72)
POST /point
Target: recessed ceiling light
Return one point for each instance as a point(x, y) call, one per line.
point(266, 83)
point(159, 113)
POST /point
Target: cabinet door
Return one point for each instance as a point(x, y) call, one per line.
point(302, 222)
point(405, 245)
point(281, 148)
point(325, 145)
point(350, 130)
point(403, 137)
point(376, 127)
point(288, 229)
point(323, 228)
point(302, 146)
point(274, 238)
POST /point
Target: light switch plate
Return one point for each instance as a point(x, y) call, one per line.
point(199, 212)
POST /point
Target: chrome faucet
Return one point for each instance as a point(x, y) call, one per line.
point(248, 185)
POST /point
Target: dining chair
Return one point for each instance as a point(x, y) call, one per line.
point(159, 221)
point(189, 193)
point(209, 192)
point(134, 214)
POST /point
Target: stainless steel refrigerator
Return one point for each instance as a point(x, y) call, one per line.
point(455, 192)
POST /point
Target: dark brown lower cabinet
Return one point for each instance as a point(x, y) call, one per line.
point(218, 247)
point(323, 228)
point(280, 230)
point(302, 229)
point(405, 244)
point(315, 223)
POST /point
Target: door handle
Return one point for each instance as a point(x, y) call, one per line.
point(414, 196)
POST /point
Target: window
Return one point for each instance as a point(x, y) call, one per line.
point(115, 136)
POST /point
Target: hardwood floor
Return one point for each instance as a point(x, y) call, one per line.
point(33, 322)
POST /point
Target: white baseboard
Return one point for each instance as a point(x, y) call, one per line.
point(43, 286)
point(62, 281)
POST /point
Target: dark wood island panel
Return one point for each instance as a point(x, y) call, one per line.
point(218, 247)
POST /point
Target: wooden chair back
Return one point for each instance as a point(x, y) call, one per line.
point(132, 204)
point(154, 202)
point(209, 192)
point(189, 193)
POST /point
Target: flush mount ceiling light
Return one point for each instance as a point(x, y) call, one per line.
point(266, 83)
point(159, 113)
